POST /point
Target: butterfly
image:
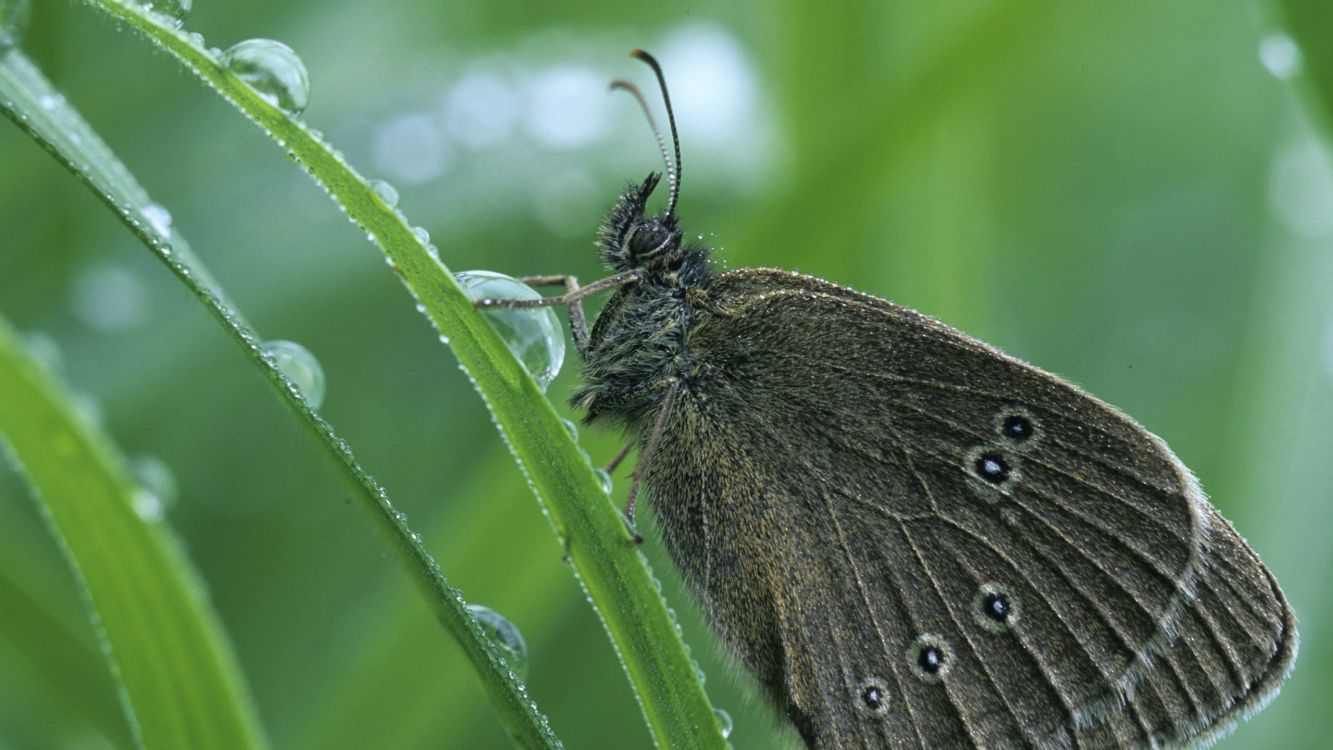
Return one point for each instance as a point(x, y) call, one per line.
point(910, 538)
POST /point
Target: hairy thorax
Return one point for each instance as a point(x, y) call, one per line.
point(637, 348)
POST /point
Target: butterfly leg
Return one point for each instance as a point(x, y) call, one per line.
point(659, 426)
point(572, 298)
point(611, 465)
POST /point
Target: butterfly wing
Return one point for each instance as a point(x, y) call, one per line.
point(915, 540)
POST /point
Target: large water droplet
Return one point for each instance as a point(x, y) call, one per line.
point(14, 16)
point(604, 477)
point(273, 70)
point(387, 193)
point(300, 367)
point(533, 335)
point(505, 635)
point(723, 722)
point(175, 11)
point(156, 477)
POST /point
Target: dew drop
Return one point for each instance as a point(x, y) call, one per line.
point(533, 335)
point(421, 234)
point(174, 11)
point(300, 367)
point(571, 428)
point(386, 192)
point(273, 70)
point(724, 723)
point(1280, 55)
point(156, 477)
point(604, 477)
point(14, 15)
point(147, 505)
point(158, 218)
point(505, 635)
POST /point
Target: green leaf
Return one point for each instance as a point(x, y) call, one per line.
point(180, 683)
point(62, 132)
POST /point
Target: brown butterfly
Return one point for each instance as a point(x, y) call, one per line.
point(910, 538)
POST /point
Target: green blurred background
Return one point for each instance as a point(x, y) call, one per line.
point(1135, 195)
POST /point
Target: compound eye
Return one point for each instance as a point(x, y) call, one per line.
point(648, 240)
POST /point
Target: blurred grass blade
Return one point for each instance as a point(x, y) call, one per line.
point(1309, 23)
point(180, 684)
point(609, 565)
point(28, 99)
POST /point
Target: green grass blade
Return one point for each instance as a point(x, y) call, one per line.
point(30, 101)
point(180, 683)
point(610, 568)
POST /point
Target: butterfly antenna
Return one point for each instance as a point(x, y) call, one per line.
point(673, 175)
point(624, 85)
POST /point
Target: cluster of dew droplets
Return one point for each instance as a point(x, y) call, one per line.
point(533, 335)
point(14, 16)
point(300, 367)
point(505, 635)
point(273, 70)
point(173, 12)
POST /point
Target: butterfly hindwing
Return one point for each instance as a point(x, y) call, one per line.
point(1008, 562)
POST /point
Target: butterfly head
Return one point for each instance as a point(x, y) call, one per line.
point(630, 239)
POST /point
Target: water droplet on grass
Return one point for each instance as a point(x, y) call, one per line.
point(300, 367)
point(386, 192)
point(174, 10)
point(273, 70)
point(147, 505)
point(505, 635)
point(723, 722)
point(1280, 55)
point(571, 428)
point(156, 477)
point(533, 335)
point(158, 218)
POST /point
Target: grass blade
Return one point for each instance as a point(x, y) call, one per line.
point(180, 685)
